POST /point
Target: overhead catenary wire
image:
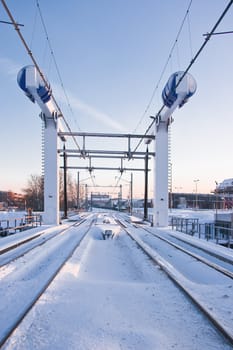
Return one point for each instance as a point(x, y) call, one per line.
point(190, 36)
point(33, 28)
point(37, 67)
point(116, 185)
point(208, 36)
point(55, 61)
point(165, 65)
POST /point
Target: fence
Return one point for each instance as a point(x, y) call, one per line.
point(140, 214)
point(209, 231)
point(9, 226)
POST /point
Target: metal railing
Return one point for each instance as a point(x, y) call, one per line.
point(10, 226)
point(208, 231)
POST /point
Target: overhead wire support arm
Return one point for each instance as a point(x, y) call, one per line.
point(130, 154)
point(208, 36)
point(166, 64)
point(16, 25)
point(220, 33)
point(6, 22)
point(206, 40)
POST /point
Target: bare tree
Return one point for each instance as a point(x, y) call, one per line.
point(71, 191)
point(34, 193)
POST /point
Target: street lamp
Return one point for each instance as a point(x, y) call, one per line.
point(196, 181)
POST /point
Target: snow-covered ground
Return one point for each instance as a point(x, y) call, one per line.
point(109, 295)
point(9, 218)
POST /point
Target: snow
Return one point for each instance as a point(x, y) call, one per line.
point(204, 216)
point(110, 295)
point(11, 217)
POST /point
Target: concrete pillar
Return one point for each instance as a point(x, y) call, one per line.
point(51, 173)
point(161, 175)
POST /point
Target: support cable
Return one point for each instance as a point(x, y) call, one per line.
point(118, 180)
point(37, 67)
point(208, 36)
point(33, 29)
point(190, 37)
point(165, 66)
point(55, 62)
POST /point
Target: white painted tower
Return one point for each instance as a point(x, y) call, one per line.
point(174, 94)
point(36, 90)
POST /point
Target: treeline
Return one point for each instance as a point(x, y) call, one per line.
point(34, 192)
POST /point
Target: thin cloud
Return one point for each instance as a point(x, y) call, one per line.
point(85, 109)
point(9, 67)
point(95, 114)
point(12, 68)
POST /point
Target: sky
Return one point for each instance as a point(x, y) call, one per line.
point(111, 55)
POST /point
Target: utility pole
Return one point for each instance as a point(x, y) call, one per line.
point(196, 200)
point(86, 197)
point(65, 182)
point(131, 194)
point(78, 193)
point(146, 186)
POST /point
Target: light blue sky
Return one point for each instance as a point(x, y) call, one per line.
point(110, 54)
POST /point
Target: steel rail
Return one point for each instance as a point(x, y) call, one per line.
point(21, 315)
point(194, 255)
point(151, 254)
point(18, 244)
point(26, 250)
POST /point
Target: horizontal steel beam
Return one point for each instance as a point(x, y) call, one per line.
point(92, 168)
point(93, 134)
point(88, 153)
point(102, 156)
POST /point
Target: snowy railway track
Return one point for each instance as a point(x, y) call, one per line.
point(33, 275)
point(109, 295)
point(178, 278)
point(217, 266)
point(17, 249)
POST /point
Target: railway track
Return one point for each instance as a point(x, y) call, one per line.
point(177, 277)
point(38, 269)
point(217, 266)
point(110, 271)
point(17, 249)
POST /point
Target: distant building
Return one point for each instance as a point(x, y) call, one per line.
point(100, 200)
point(224, 192)
point(9, 200)
point(192, 200)
point(225, 187)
